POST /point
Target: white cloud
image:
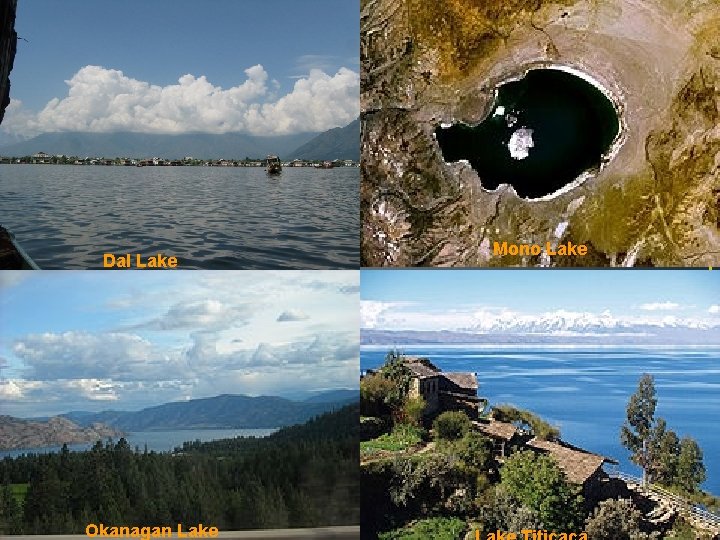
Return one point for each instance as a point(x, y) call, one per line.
point(660, 306)
point(375, 314)
point(291, 315)
point(84, 355)
point(10, 390)
point(106, 100)
point(205, 315)
point(92, 389)
point(714, 309)
point(190, 335)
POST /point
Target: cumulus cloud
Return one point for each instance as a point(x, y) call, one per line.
point(107, 100)
point(207, 315)
point(660, 306)
point(292, 315)
point(197, 337)
point(10, 390)
point(83, 355)
point(375, 314)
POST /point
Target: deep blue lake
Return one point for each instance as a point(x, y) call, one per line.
point(544, 131)
point(160, 441)
point(67, 216)
point(585, 391)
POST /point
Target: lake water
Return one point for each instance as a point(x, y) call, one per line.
point(67, 216)
point(559, 125)
point(585, 391)
point(160, 441)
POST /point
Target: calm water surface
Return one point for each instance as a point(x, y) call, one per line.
point(209, 217)
point(160, 441)
point(585, 391)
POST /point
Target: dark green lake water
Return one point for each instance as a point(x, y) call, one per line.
point(544, 131)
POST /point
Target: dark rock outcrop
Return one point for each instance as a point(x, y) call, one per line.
point(8, 46)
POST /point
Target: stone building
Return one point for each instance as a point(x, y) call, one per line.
point(581, 467)
point(442, 392)
point(505, 436)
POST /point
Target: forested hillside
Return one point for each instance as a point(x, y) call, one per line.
point(300, 476)
point(219, 412)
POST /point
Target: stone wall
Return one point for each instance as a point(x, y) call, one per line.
point(8, 46)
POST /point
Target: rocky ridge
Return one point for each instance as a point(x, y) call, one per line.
point(18, 433)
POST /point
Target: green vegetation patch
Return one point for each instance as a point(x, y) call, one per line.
point(451, 425)
point(19, 491)
point(540, 428)
point(439, 528)
point(400, 439)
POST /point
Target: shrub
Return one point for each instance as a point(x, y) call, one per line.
point(413, 410)
point(539, 427)
point(538, 483)
point(438, 528)
point(614, 519)
point(374, 392)
point(451, 425)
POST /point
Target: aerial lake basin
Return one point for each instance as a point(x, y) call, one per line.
point(584, 391)
point(544, 130)
point(67, 217)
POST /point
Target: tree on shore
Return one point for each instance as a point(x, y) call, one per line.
point(663, 456)
point(690, 467)
point(635, 433)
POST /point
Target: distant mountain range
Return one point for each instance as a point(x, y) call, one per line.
point(220, 412)
point(20, 433)
point(534, 334)
point(337, 143)
point(198, 145)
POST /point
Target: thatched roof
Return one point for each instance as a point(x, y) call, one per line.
point(463, 380)
point(422, 371)
point(496, 429)
point(577, 464)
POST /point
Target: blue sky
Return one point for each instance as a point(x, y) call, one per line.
point(158, 41)
point(125, 340)
point(405, 299)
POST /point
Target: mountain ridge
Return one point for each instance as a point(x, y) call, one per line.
point(638, 335)
point(336, 143)
point(225, 411)
point(143, 145)
point(18, 433)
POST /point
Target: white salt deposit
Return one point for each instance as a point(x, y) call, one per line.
point(520, 143)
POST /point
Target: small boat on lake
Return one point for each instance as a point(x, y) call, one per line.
point(12, 255)
point(273, 165)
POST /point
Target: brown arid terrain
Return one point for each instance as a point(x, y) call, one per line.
point(20, 433)
point(656, 202)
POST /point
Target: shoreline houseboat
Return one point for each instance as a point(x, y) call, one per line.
point(273, 165)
